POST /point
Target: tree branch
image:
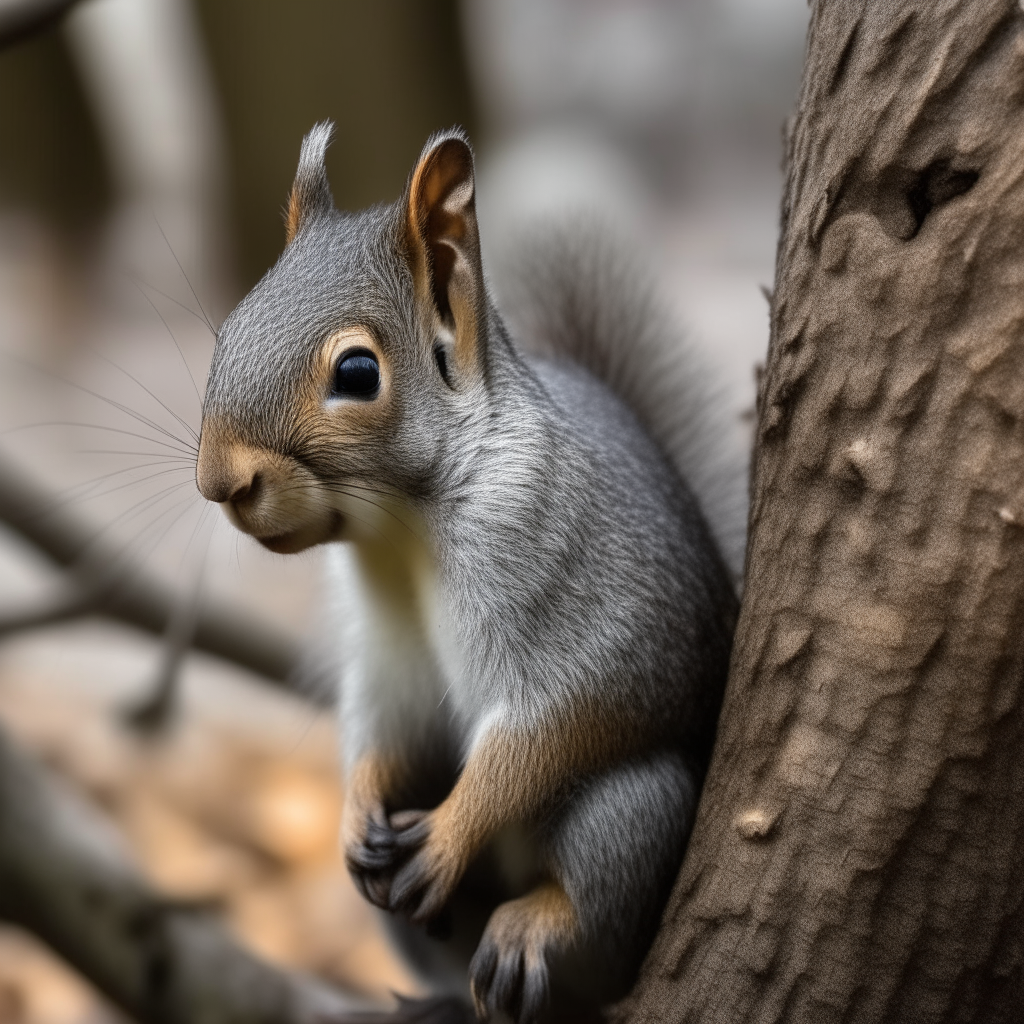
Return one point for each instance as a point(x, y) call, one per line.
point(65, 877)
point(21, 19)
point(62, 609)
point(105, 581)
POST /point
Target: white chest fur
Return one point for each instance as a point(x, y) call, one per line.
point(398, 663)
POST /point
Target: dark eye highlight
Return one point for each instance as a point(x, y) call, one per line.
point(356, 375)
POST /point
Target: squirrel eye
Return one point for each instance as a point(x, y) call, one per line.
point(357, 374)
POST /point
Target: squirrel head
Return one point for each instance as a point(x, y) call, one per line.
point(340, 381)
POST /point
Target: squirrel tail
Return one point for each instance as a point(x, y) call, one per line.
point(579, 290)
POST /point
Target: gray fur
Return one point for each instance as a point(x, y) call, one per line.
point(578, 290)
point(311, 189)
point(622, 834)
point(571, 563)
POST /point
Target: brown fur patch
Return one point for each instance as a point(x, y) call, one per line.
point(293, 216)
point(526, 930)
point(510, 777)
point(371, 781)
point(542, 919)
point(225, 465)
point(513, 776)
point(351, 337)
point(267, 495)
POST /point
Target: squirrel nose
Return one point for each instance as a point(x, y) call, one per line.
point(222, 491)
point(223, 472)
point(221, 487)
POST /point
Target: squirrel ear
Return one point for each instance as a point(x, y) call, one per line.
point(311, 194)
point(443, 242)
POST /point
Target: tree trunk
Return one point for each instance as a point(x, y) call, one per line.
point(858, 851)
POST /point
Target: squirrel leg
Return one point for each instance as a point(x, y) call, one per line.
point(616, 849)
point(365, 832)
point(512, 775)
point(612, 851)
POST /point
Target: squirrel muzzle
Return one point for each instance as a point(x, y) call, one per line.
point(267, 495)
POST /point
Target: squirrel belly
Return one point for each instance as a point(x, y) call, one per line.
point(531, 617)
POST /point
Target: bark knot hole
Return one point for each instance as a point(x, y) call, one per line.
point(901, 198)
point(906, 197)
point(936, 185)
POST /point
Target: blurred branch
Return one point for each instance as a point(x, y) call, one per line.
point(156, 708)
point(65, 877)
point(63, 609)
point(20, 19)
point(109, 583)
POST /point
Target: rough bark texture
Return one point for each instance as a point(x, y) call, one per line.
point(859, 851)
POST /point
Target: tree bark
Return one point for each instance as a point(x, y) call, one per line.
point(859, 848)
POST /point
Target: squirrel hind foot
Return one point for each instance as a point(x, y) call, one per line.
point(509, 971)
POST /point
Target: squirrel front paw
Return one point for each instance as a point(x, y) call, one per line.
point(423, 885)
point(371, 855)
point(509, 971)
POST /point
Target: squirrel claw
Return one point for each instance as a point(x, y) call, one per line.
point(371, 877)
point(415, 885)
point(421, 888)
point(409, 888)
point(402, 821)
point(374, 858)
point(390, 867)
point(377, 889)
point(374, 853)
point(508, 981)
point(410, 829)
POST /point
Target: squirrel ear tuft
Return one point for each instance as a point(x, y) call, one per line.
point(442, 234)
point(310, 197)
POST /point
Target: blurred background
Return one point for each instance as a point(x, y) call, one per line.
point(146, 151)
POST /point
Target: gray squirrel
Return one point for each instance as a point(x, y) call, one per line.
point(532, 619)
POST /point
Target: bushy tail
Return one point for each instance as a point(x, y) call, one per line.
point(578, 290)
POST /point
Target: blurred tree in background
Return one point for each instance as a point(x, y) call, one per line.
point(47, 129)
point(387, 73)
